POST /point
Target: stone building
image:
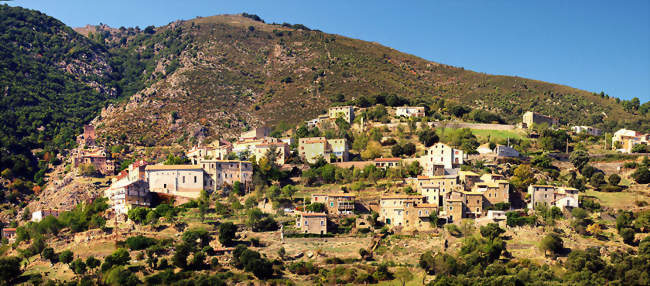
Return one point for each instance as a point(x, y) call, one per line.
point(281, 150)
point(336, 203)
point(40, 215)
point(222, 173)
point(96, 157)
point(88, 137)
point(216, 151)
point(439, 157)
point(386, 163)
point(531, 119)
point(393, 208)
point(255, 133)
point(345, 112)
point(129, 189)
point(332, 150)
point(549, 196)
point(314, 223)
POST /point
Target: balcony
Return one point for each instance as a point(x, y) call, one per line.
point(346, 206)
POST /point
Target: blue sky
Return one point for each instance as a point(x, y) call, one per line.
point(592, 45)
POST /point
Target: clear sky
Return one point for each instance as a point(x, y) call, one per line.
point(593, 45)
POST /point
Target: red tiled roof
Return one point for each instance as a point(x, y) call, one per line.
point(313, 214)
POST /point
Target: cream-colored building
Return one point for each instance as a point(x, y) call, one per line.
point(314, 223)
point(217, 151)
point(178, 180)
point(332, 150)
point(624, 140)
point(40, 215)
point(386, 163)
point(345, 112)
point(129, 189)
point(531, 119)
point(408, 111)
point(440, 156)
point(248, 145)
point(281, 149)
point(586, 130)
point(393, 208)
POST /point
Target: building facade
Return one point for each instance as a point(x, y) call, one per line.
point(178, 180)
point(586, 130)
point(281, 150)
point(40, 215)
point(345, 112)
point(408, 111)
point(624, 140)
point(551, 196)
point(386, 163)
point(222, 173)
point(336, 204)
point(96, 157)
point(440, 156)
point(314, 223)
point(332, 150)
point(531, 119)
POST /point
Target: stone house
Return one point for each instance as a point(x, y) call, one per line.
point(385, 163)
point(440, 156)
point(532, 118)
point(345, 112)
point(255, 133)
point(96, 157)
point(336, 203)
point(221, 173)
point(332, 150)
point(408, 111)
point(217, 151)
point(125, 195)
point(281, 149)
point(506, 151)
point(314, 223)
point(393, 208)
point(549, 196)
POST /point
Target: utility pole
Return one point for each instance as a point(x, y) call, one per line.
point(567, 145)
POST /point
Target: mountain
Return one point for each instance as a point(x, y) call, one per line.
point(214, 76)
point(52, 81)
point(236, 71)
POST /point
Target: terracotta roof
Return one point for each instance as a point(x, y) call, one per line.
point(9, 229)
point(387, 159)
point(272, 144)
point(340, 195)
point(173, 167)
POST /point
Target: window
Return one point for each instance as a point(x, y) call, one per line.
point(183, 179)
point(306, 223)
point(331, 204)
point(322, 222)
point(165, 186)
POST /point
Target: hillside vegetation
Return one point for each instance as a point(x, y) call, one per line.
point(238, 72)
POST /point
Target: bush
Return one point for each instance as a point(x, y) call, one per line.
point(227, 232)
point(491, 231)
point(641, 175)
point(614, 179)
point(303, 268)
point(140, 242)
point(628, 235)
point(315, 207)
point(552, 242)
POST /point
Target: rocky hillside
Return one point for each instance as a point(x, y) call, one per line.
point(52, 81)
point(235, 72)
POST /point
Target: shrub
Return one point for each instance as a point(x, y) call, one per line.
point(614, 179)
point(628, 235)
point(140, 242)
point(303, 268)
point(552, 242)
point(227, 232)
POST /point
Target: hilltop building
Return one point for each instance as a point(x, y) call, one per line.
point(222, 173)
point(88, 138)
point(178, 180)
point(345, 112)
point(532, 118)
point(332, 150)
point(624, 140)
point(410, 111)
point(314, 223)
